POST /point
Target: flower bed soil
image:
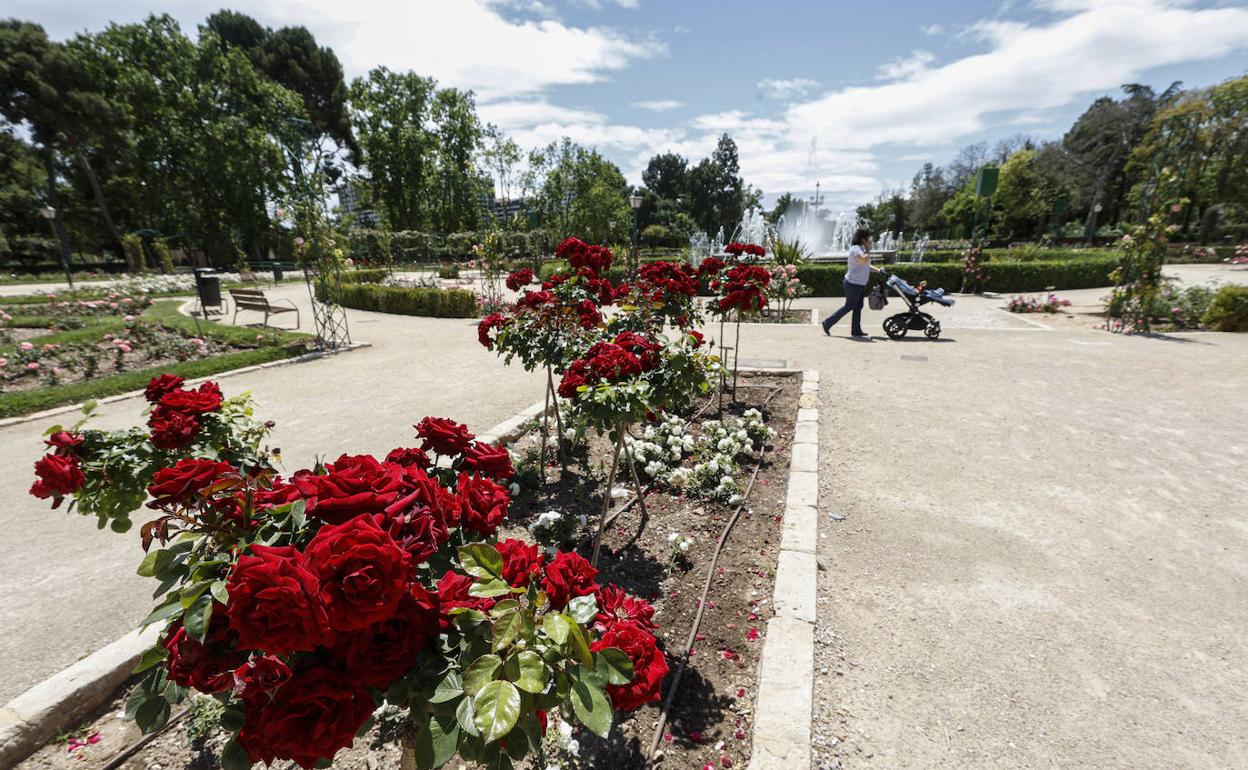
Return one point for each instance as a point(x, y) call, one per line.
point(797, 315)
point(712, 714)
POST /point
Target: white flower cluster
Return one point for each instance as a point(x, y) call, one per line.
point(660, 452)
point(679, 543)
point(554, 528)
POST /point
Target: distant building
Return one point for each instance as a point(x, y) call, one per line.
point(495, 210)
point(350, 204)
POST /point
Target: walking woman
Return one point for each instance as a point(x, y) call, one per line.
point(857, 276)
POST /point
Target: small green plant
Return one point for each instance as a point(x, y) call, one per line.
point(448, 271)
point(203, 720)
point(792, 252)
point(678, 555)
point(1228, 312)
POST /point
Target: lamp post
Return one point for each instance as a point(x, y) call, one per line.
point(635, 202)
point(49, 213)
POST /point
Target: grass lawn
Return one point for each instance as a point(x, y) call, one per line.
point(264, 346)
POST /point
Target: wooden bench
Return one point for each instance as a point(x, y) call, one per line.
point(254, 299)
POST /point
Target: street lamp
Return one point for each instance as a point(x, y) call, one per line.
point(635, 202)
point(49, 213)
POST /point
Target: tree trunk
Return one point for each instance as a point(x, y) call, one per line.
point(97, 192)
point(54, 200)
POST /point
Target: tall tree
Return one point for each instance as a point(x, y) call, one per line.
point(667, 176)
point(458, 139)
point(501, 155)
point(578, 192)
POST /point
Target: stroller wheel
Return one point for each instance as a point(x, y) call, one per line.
point(895, 327)
point(933, 330)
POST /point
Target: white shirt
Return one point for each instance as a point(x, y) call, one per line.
point(858, 270)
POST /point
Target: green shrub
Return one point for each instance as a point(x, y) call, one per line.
point(1229, 310)
point(1001, 277)
point(439, 303)
point(365, 275)
point(448, 271)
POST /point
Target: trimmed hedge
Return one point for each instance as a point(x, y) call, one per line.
point(1002, 277)
point(439, 303)
point(366, 275)
point(1229, 310)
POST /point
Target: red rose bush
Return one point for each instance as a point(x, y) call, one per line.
point(305, 604)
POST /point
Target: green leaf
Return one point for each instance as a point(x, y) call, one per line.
point(581, 646)
point(592, 707)
point(150, 657)
point(557, 627)
point(614, 665)
point(449, 688)
point(463, 715)
point(526, 737)
point(234, 756)
point(489, 588)
point(480, 672)
point(232, 718)
point(527, 669)
point(435, 741)
point(219, 592)
point(121, 525)
point(583, 609)
point(495, 709)
point(481, 561)
point(508, 628)
point(152, 714)
point(197, 618)
point(147, 567)
point(161, 613)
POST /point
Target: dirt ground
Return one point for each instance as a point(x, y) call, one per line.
point(1033, 547)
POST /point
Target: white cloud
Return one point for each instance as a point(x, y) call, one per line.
point(659, 105)
point(599, 4)
point(787, 89)
point(934, 30)
point(464, 43)
point(906, 67)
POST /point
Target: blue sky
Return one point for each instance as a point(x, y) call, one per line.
point(854, 94)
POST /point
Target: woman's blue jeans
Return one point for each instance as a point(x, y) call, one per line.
point(854, 294)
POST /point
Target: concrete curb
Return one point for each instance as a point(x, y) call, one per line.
point(786, 677)
point(7, 421)
point(37, 715)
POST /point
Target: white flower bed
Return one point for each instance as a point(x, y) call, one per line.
point(715, 455)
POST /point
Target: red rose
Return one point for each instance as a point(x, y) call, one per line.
point(570, 248)
point(418, 521)
point(159, 386)
point(308, 719)
point(532, 299)
point(576, 376)
point(697, 337)
point(206, 398)
point(482, 504)
point(615, 606)
point(710, 266)
point(410, 456)
point(260, 675)
point(568, 576)
point(206, 666)
point(444, 436)
point(362, 572)
point(488, 324)
point(172, 429)
point(488, 460)
point(612, 362)
point(646, 350)
point(179, 484)
point(57, 476)
point(521, 561)
point(649, 666)
point(278, 493)
point(64, 442)
point(519, 279)
point(453, 592)
point(353, 485)
point(274, 602)
point(587, 314)
point(378, 655)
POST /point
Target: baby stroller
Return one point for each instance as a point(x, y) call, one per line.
point(896, 326)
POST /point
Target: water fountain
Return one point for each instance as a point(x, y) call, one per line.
point(699, 248)
point(829, 239)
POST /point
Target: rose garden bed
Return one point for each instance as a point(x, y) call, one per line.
point(55, 352)
point(711, 715)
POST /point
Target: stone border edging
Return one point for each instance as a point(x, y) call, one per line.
point(7, 421)
point(37, 715)
point(786, 678)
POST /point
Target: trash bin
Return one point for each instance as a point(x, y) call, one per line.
point(208, 286)
point(277, 272)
